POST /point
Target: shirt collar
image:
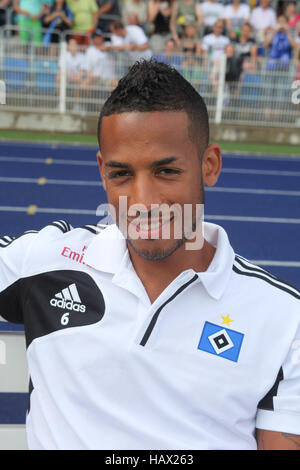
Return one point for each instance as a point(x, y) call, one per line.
point(108, 253)
point(215, 279)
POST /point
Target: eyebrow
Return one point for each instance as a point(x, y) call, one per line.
point(164, 161)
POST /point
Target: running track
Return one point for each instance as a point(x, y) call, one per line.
point(257, 201)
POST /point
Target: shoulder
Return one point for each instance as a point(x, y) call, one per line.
point(56, 230)
point(261, 282)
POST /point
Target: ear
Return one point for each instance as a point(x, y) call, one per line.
point(211, 164)
point(101, 168)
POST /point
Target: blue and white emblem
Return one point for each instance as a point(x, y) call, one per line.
point(220, 341)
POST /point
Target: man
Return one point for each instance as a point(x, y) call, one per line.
point(140, 341)
point(99, 65)
point(170, 55)
point(281, 44)
point(29, 14)
point(263, 20)
point(213, 46)
point(74, 62)
point(246, 48)
point(85, 19)
point(131, 39)
point(210, 12)
point(108, 11)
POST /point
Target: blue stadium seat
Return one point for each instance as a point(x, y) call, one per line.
point(16, 72)
point(45, 72)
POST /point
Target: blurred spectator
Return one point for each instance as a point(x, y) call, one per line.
point(99, 65)
point(263, 20)
point(131, 39)
point(236, 14)
point(213, 47)
point(159, 17)
point(190, 36)
point(214, 44)
point(184, 12)
point(84, 18)
point(60, 18)
point(233, 64)
point(135, 12)
point(232, 74)
point(191, 68)
point(210, 12)
point(108, 12)
point(293, 17)
point(29, 17)
point(4, 4)
point(170, 55)
point(281, 43)
point(246, 48)
point(75, 64)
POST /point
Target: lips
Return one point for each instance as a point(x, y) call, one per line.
point(150, 229)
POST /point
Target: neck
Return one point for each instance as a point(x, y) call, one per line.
point(157, 275)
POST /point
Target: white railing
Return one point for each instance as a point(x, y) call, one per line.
point(36, 78)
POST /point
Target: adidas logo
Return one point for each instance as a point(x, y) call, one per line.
point(68, 299)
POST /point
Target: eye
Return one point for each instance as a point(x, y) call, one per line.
point(168, 171)
point(118, 174)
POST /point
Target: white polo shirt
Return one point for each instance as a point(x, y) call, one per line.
point(99, 63)
point(262, 18)
point(134, 35)
point(212, 12)
point(216, 355)
point(74, 63)
point(215, 45)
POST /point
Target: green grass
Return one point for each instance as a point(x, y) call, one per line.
point(252, 147)
point(19, 136)
point(249, 147)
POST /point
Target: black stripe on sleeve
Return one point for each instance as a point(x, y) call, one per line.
point(95, 229)
point(254, 268)
point(61, 225)
point(5, 243)
point(273, 281)
point(267, 403)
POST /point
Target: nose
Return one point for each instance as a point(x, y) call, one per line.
point(144, 193)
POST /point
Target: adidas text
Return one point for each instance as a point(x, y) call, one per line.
point(67, 305)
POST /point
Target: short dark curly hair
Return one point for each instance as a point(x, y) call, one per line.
point(150, 85)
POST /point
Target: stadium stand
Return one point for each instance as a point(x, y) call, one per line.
point(36, 58)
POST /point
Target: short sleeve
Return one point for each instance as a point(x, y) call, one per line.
point(94, 6)
point(12, 255)
point(280, 409)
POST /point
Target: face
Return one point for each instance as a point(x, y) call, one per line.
point(265, 3)
point(190, 31)
point(73, 47)
point(230, 51)
point(218, 28)
point(98, 41)
point(170, 46)
point(149, 159)
point(282, 21)
point(290, 9)
point(245, 30)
